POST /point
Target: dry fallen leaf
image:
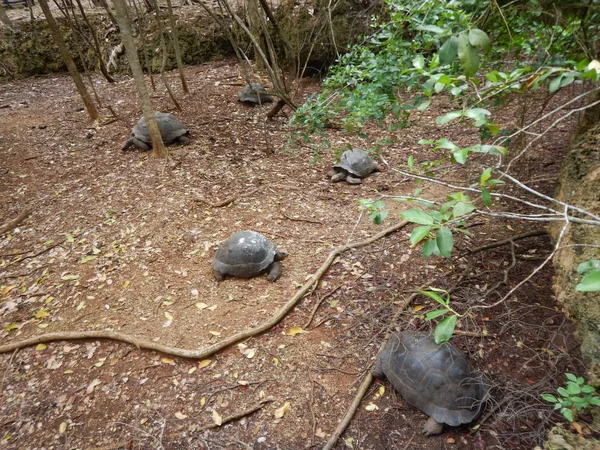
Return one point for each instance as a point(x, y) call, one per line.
point(180, 416)
point(201, 305)
point(280, 412)
point(62, 428)
point(371, 407)
point(217, 419)
point(295, 331)
point(40, 347)
point(92, 385)
point(168, 361)
point(215, 333)
point(204, 363)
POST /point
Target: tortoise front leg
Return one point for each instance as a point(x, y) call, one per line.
point(353, 180)
point(218, 275)
point(183, 140)
point(141, 144)
point(274, 270)
point(432, 427)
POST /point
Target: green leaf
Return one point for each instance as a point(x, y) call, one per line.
point(567, 414)
point(433, 28)
point(443, 120)
point(589, 283)
point(435, 314)
point(443, 331)
point(479, 38)
point(468, 56)
point(430, 248)
point(588, 266)
point(486, 197)
point(445, 242)
point(571, 377)
point(419, 233)
point(555, 84)
point(587, 389)
point(595, 401)
point(378, 216)
point(461, 155)
point(424, 105)
point(487, 173)
point(449, 51)
point(419, 62)
point(411, 161)
point(549, 398)
point(434, 296)
point(463, 208)
point(417, 216)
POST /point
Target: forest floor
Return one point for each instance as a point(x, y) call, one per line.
point(117, 240)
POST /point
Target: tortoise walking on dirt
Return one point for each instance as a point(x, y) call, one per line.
point(354, 165)
point(247, 254)
point(171, 130)
point(254, 94)
point(437, 379)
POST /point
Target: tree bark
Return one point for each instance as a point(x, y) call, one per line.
point(158, 147)
point(176, 47)
point(64, 52)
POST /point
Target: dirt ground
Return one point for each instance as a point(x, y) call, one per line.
point(117, 240)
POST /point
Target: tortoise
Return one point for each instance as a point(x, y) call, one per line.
point(437, 379)
point(254, 94)
point(171, 130)
point(246, 254)
point(354, 165)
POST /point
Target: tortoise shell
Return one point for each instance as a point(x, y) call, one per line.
point(170, 128)
point(437, 379)
point(245, 254)
point(357, 162)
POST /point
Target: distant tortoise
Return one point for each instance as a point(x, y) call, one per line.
point(247, 254)
point(437, 379)
point(354, 165)
point(171, 130)
point(254, 94)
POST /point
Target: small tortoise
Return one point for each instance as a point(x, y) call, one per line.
point(171, 130)
point(247, 254)
point(254, 94)
point(437, 379)
point(354, 165)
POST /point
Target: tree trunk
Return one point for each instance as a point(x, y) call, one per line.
point(255, 27)
point(176, 47)
point(64, 52)
point(158, 147)
point(4, 17)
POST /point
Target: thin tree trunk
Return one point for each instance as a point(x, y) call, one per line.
point(255, 27)
point(158, 147)
point(176, 47)
point(4, 18)
point(64, 52)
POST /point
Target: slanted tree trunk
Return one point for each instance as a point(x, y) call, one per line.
point(64, 52)
point(176, 47)
point(4, 17)
point(255, 27)
point(122, 13)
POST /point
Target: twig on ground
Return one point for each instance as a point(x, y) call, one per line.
point(507, 241)
point(203, 353)
point(362, 390)
point(300, 220)
point(41, 252)
point(15, 222)
point(321, 300)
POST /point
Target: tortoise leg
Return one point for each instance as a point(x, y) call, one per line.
point(338, 176)
point(432, 427)
point(218, 275)
point(274, 271)
point(183, 140)
point(353, 180)
point(141, 144)
point(128, 143)
point(377, 371)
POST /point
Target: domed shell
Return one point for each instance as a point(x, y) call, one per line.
point(170, 128)
point(357, 162)
point(254, 93)
point(437, 379)
point(245, 254)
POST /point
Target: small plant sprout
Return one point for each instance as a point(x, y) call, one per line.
point(444, 328)
point(591, 276)
point(575, 396)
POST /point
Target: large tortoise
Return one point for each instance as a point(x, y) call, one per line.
point(254, 94)
point(354, 165)
point(437, 379)
point(246, 254)
point(171, 130)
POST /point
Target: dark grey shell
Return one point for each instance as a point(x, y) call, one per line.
point(357, 162)
point(245, 254)
point(254, 93)
point(437, 379)
point(170, 128)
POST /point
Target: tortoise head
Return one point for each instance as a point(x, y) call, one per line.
point(280, 254)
